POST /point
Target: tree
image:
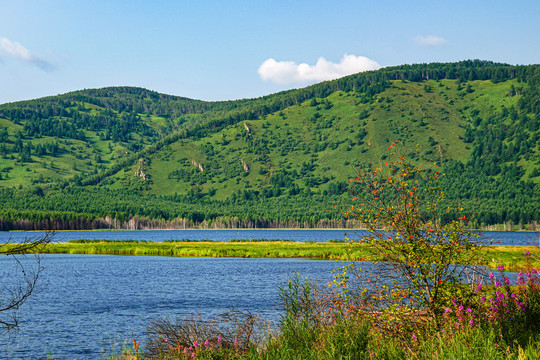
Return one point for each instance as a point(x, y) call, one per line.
point(24, 278)
point(424, 252)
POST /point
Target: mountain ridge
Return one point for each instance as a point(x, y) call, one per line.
point(297, 146)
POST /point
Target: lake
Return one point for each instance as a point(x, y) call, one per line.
point(504, 237)
point(86, 305)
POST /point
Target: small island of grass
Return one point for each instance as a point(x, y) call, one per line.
point(511, 257)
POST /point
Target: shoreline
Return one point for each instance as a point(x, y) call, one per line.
point(248, 229)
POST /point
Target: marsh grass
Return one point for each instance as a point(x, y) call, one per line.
point(502, 322)
point(510, 256)
point(306, 332)
point(255, 248)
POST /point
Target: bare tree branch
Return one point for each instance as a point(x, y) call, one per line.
point(24, 279)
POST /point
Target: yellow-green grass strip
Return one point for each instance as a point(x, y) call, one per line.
point(512, 257)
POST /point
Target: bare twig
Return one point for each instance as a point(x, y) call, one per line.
point(24, 284)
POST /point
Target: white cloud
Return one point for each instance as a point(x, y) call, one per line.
point(430, 40)
point(16, 51)
point(287, 72)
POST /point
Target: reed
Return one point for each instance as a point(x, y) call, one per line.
point(510, 256)
point(207, 248)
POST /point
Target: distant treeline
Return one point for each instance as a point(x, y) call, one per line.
point(104, 209)
point(78, 222)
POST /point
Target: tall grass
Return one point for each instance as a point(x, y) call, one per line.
point(501, 321)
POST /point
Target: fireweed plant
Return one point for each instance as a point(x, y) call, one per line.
point(420, 241)
point(512, 309)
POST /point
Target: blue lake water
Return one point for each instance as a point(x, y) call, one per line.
point(88, 305)
point(504, 237)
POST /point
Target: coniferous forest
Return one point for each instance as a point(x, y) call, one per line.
point(125, 157)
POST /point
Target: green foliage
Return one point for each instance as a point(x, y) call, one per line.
point(484, 139)
point(307, 332)
point(401, 207)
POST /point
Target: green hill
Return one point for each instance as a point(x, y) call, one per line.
point(72, 160)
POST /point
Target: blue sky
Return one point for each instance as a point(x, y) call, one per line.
point(220, 50)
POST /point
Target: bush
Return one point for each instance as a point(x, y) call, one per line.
point(426, 250)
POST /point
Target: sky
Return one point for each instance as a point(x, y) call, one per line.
point(226, 50)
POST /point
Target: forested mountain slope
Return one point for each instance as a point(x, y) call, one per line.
point(121, 152)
